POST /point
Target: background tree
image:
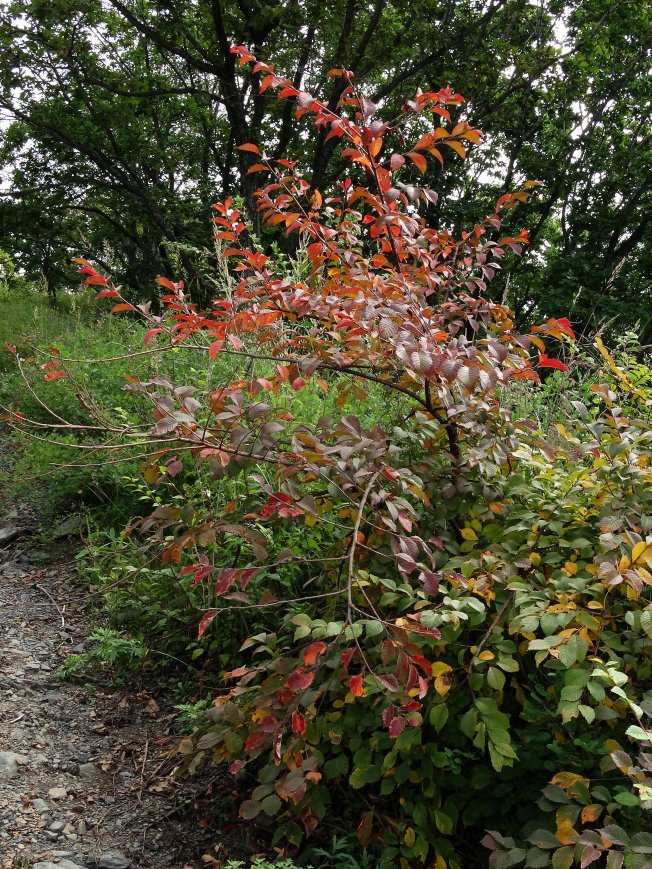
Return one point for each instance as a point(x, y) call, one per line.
point(136, 110)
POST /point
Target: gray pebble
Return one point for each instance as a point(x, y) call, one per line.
point(9, 762)
point(40, 806)
point(113, 860)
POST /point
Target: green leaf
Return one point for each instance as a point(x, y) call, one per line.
point(637, 732)
point(443, 822)
point(625, 798)
point(567, 655)
point(271, 804)
point(562, 858)
point(543, 839)
point(587, 713)
point(495, 679)
point(438, 716)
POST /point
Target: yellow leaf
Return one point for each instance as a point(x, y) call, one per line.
point(564, 779)
point(571, 568)
point(642, 551)
point(566, 833)
point(468, 534)
point(496, 507)
point(624, 563)
point(535, 558)
point(439, 667)
point(591, 813)
point(410, 837)
point(486, 656)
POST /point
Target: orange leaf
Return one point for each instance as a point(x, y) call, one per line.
point(376, 145)
point(355, 685)
point(312, 652)
point(419, 161)
point(248, 147)
point(123, 306)
point(437, 154)
point(457, 147)
point(257, 167)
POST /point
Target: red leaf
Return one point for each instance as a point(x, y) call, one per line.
point(548, 362)
point(123, 306)
point(54, 375)
point(166, 282)
point(300, 679)
point(280, 503)
point(355, 685)
point(205, 621)
point(225, 580)
point(215, 348)
point(174, 468)
point(313, 651)
point(96, 279)
point(255, 740)
point(149, 335)
point(389, 682)
point(248, 146)
point(108, 294)
point(298, 723)
point(396, 727)
point(10, 348)
point(346, 657)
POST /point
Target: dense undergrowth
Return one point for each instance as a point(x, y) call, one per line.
point(409, 585)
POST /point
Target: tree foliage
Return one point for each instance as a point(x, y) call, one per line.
point(126, 115)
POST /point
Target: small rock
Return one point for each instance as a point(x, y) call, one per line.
point(40, 806)
point(58, 793)
point(56, 826)
point(88, 771)
point(113, 860)
point(82, 828)
point(51, 836)
point(9, 762)
point(9, 533)
point(64, 864)
point(38, 556)
point(68, 527)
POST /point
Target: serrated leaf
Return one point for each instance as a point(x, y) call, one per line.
point(495, 678)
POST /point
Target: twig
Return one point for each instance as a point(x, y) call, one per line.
point(510, 598)
point(142, 772)
point(58, 608)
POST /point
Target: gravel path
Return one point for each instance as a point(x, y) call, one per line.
point(84, 774)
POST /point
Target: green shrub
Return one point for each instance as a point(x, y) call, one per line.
point(436, 618)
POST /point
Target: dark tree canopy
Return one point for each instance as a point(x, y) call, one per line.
point(121, 122)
